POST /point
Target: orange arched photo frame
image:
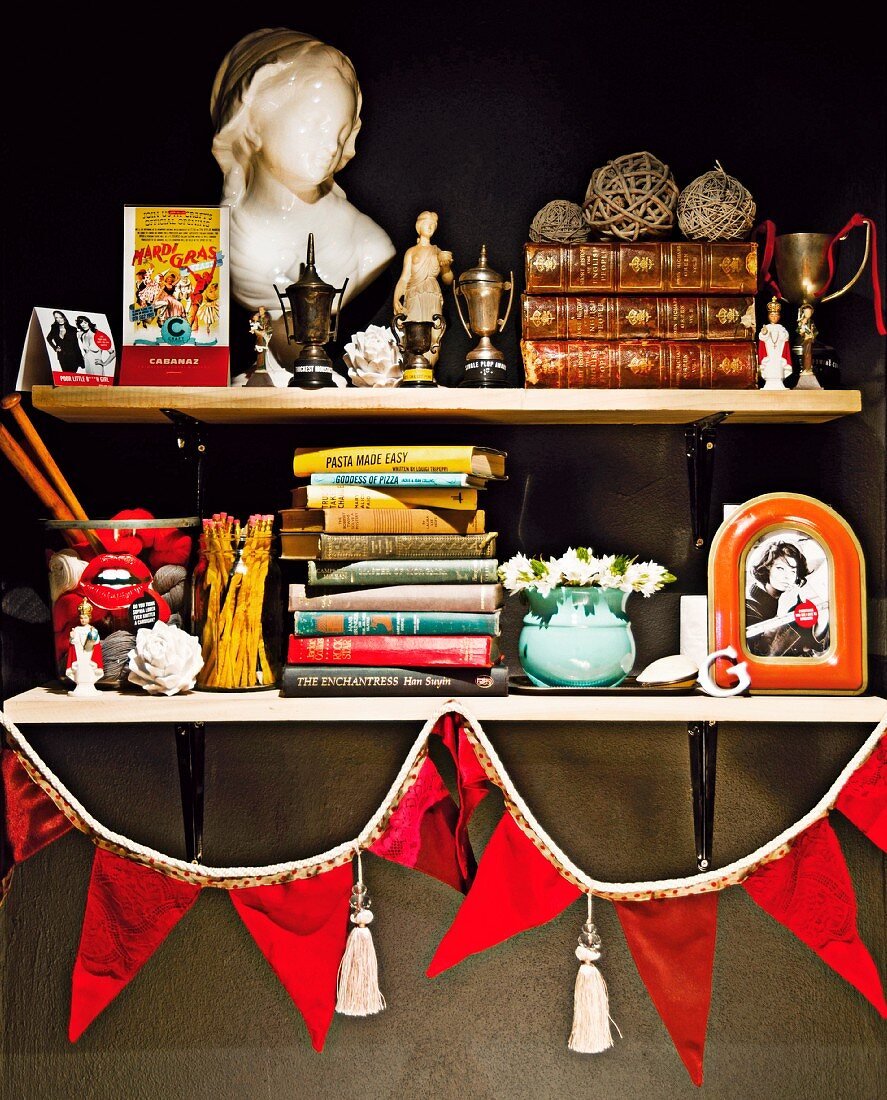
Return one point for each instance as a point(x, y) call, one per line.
point(842, 666)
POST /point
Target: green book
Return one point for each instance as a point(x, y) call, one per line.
point(311, 623)
point(404, 571)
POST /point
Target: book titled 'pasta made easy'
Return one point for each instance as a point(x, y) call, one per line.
point(481, 461)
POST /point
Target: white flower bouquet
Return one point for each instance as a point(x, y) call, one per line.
point(581, 568)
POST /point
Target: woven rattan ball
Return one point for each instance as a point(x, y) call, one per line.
point(632, 197)
point(715, 207)
point(560, 221)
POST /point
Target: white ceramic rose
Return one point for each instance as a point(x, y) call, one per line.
point(166, 659)
point(373, 358)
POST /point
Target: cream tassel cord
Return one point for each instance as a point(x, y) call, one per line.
point(357, 986)
point(591, 1003)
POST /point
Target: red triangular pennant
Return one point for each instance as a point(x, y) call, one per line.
point(672, 941)
point(810, 892)
point(32, 818)
point(130, 910)
point(421, 832)
point(300, 928)
point(516, 888)
point(472, 785)
point(864, 796)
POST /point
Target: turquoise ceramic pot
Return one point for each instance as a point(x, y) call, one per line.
point(577, 637)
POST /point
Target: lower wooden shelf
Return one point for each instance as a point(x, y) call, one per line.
point(54, 706)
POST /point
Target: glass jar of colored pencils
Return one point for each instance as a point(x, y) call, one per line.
point(237, 612)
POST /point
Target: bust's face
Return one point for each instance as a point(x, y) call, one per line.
point(303, 127)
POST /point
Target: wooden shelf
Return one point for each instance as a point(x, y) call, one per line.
point(53, 705)
point(236, 405)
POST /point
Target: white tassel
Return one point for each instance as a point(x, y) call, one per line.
point(357, 986)
point(591, 1003)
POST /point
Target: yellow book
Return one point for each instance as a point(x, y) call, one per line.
point(482, 461)
point(360, 496)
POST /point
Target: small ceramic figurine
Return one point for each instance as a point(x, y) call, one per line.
point(417, 294)
point(85, 665)
point(260, 327)
point(808, 333)
point(774, 357)
point(286, 111)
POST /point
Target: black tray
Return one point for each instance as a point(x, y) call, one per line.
point(522, 685)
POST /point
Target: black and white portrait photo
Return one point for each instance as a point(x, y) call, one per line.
point(787, 596)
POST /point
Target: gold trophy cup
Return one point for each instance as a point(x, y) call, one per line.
point(482, 288)
point(803, 277)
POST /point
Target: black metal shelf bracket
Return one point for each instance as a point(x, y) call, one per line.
point(703, 737)
point(191, 438)
point(190, 752)
point(700, 439)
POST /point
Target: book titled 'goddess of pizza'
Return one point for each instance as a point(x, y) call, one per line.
point(175, 296)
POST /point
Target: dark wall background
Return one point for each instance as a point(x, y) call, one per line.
point(482, 114)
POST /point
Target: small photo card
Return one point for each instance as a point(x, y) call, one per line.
point(67, 347)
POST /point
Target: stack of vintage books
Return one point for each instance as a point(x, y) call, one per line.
point(647, 314)
point(403, 595)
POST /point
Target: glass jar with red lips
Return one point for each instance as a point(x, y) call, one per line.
point(142, 577)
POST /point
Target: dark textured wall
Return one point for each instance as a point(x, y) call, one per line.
point(483, 116)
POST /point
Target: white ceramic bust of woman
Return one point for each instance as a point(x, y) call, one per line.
point(286, 109)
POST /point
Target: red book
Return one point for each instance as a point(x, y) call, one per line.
point(464, 650)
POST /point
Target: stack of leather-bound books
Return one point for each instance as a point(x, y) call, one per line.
point(646, 314)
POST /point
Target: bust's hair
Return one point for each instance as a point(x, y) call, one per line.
point(255, 62)
point(778, 549)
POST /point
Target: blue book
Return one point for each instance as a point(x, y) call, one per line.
point(312, 623)
point(402, 481)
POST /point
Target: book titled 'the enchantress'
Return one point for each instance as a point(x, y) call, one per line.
point(175, 296)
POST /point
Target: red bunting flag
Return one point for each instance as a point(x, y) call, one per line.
point(300, 928)
point(672, 941)
point(864, 796)
point(32, 818)
point(516, 888)
point(810, 892)
point(421, 832)
point(472, 785)
point(130, 910)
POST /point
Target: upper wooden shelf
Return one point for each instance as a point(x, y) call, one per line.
point(236, 405)
point(53, 705)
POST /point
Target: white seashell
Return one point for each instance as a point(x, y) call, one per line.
point(669, 670)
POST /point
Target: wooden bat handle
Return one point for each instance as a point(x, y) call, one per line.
point(12, 402)
point(32, 476)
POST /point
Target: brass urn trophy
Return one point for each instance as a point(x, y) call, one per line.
point(415, 339)
point(309, 324)
point(482, 288)
point(803, 277)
